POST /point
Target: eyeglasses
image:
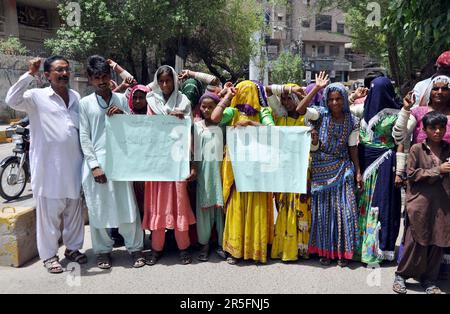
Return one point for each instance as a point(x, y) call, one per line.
point(62, 70)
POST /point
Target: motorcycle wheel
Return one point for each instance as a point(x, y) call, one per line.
point(12, 180)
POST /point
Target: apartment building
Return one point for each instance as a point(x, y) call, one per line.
point(32, 21)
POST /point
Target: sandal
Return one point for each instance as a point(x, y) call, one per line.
point(204, 253)
point(232, 260)
point(104, 261)
point(342, 263)
point(399, 285)
point(430, 287)
point(53, 266)
point(221, 252)
point(76, 256)
point(153, 258)
point(138, 259)
point(325, 261)
point(185, 257)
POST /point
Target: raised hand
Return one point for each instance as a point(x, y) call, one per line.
point(360, 93)
point(183, 75)
point(322, 80)
point(34, 65)
point(408, 101)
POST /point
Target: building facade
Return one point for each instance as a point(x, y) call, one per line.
point(320, 37)
point(32, 21)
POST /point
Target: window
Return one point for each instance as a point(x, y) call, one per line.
point(334, 50)
point(32, 16)
point(340, 28)
point(280, 17)
point(306, 23)
point(321, 50)
point(323, 22)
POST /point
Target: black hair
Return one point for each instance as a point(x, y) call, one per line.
point(48, 62)
point(434, 118)
point(164, 69)
point(370, 77)
point(97, 65)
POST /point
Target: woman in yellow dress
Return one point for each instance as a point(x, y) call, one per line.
point(249, 215)
point(294, 212)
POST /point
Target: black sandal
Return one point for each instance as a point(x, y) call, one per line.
point(342, 263)
point(76, 256)
point(153, 258)
point(104, 261)
point(325, 261)
point(399, 285)
point(204, 253)
point(221, 252)
point(185, 257)
point(138, 259)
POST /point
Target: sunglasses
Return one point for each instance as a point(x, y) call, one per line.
point(62, 70)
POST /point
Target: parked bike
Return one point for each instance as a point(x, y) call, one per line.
point(15, 170)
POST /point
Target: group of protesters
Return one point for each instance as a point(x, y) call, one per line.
point(366, 146)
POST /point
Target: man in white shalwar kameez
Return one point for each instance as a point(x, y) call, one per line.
point(111, 204)
point(55, 159)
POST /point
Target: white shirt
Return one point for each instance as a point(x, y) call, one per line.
point(55, 151)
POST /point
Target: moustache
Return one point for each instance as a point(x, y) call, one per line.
point(66, 79)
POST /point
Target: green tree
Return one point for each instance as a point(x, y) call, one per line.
point(12, 46)
point(217, 32)
point(412, 33)
point(287, 68)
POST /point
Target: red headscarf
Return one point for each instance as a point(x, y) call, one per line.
point(444, 59)
point(141, 88)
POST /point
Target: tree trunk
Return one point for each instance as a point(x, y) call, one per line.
point(393, 59)
point(144, 66)
point(130, 61)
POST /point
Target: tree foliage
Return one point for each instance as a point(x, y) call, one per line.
point(12, 46)
point(287, 68)
point(217, 32)
point(412, 33)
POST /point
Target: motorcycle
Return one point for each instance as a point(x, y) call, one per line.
point(15, 170)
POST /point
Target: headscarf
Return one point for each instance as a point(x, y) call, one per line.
point(381, 101)
point(177, 101)
point(381, 96)
point(426, 97)
point(277, 106)
point(248, 99)
point(210, 95)
point(326, 120)
point(317, 98)
point(141, 88)
point(335, 87)
point(444, 59)
point(193, 89)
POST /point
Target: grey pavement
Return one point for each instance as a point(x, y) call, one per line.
point(215, 276)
